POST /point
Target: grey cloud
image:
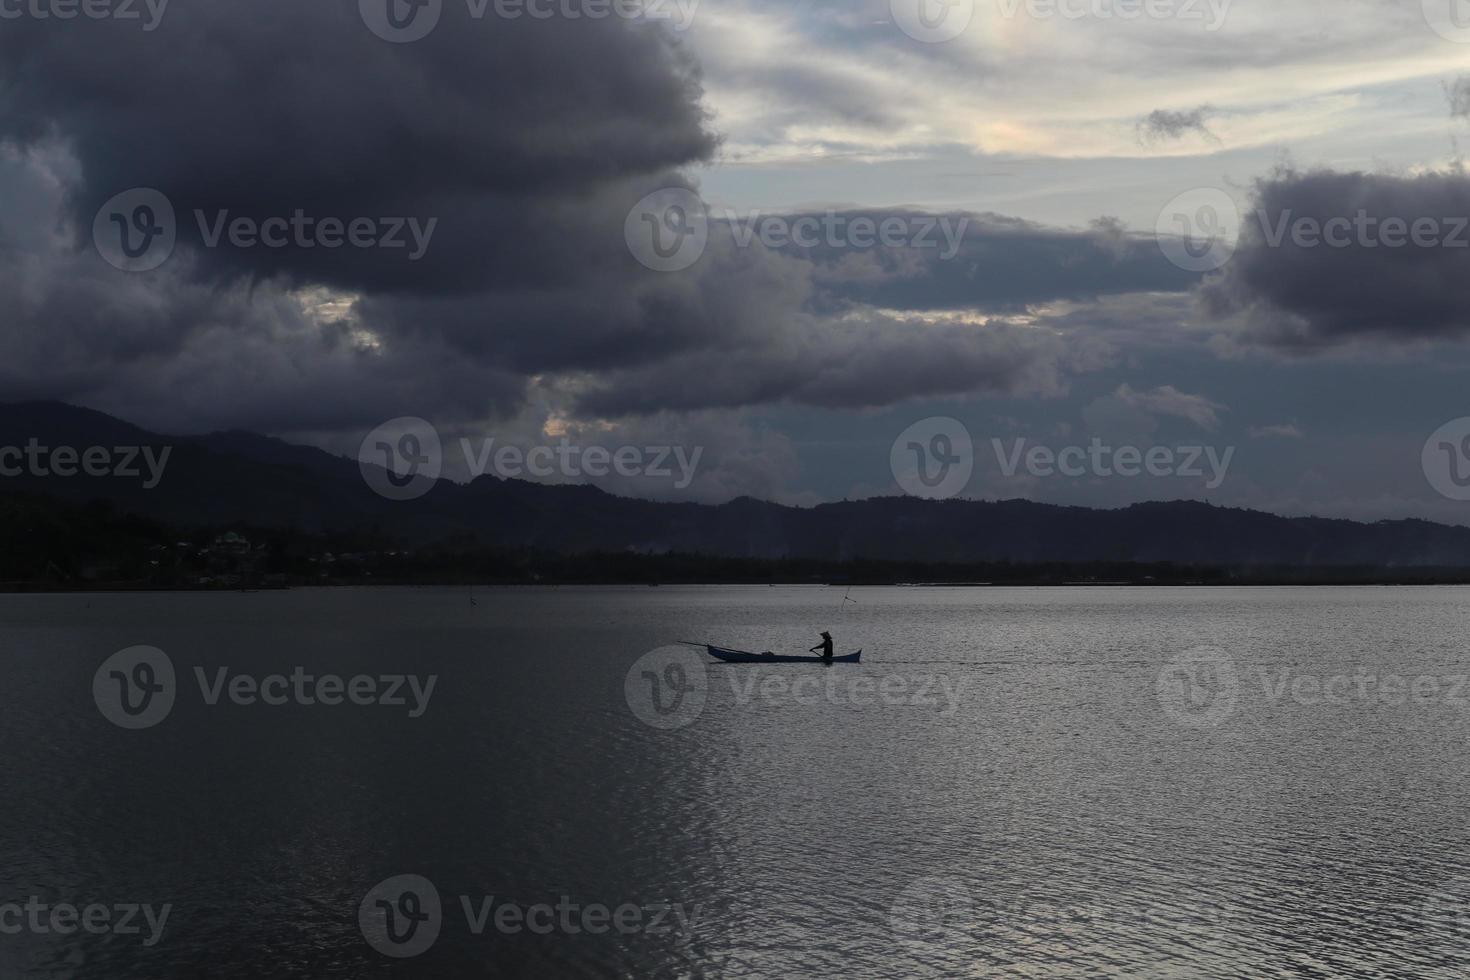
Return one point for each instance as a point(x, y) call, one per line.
point(803, 88)
point(530, 141)
point(1170, 401)
point(851, 363)
point(624, 316)
point(1282, 431)
point(751, 325)
point(497, 127)
point(1003, 264)
point(1307, 297)
point(1457, 94)
point(1130, 414)
point(1166, 124)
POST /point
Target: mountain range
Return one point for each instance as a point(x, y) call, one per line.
point(241, 478)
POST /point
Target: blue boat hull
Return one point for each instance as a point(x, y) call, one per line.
point(742, 657)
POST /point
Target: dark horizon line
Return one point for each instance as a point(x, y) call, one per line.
point(56, 403)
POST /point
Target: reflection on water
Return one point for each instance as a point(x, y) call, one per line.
point(1208, 783)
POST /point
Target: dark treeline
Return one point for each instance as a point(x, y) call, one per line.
point(52, 545)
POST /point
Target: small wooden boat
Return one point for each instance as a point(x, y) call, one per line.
point(743, 657)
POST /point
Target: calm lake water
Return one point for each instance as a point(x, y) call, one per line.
point(1049, 782)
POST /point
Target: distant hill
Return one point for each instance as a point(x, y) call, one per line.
point(240, 477)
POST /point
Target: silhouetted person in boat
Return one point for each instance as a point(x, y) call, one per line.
point(825, 646)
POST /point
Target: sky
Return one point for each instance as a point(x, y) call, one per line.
point(989, 249)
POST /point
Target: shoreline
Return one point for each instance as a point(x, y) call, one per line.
point(119, 588)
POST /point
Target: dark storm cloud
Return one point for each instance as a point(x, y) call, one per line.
point(860, 363)
point(1295, 282)
point(493, 126)
point(730, 299)
point(527, 140)
point(761, 324)
point(1165, 124)
point(530, 142)
point(997, 264)
point(174, 353)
